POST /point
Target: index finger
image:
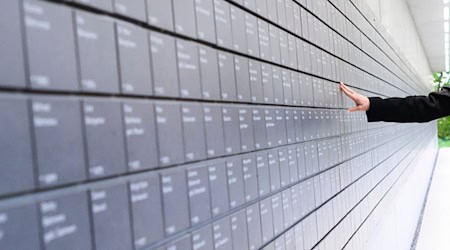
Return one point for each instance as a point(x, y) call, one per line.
point(347, 88)
point(348, 92)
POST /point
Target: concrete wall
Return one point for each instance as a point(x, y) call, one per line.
point(396, 18)
point(394, 226)
point(217, 131)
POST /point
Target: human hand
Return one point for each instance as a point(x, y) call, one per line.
point(362, 102)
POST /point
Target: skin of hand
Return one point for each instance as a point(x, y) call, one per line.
point(362, 102)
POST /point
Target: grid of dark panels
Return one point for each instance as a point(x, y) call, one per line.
point(194, 124)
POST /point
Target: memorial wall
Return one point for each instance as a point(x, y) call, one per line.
point(196, 124)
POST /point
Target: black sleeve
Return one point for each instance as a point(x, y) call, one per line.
point(411, 108)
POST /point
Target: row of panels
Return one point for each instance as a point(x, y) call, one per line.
point(371, 42)
point(378, 47)
point(157, 64)
point(157, 205)
point(386, 196)
point(196, 19)
point(365, 196)
point(112, 136)
point(281, 12)
point(362, 236)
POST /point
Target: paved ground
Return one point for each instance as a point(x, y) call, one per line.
point(435, 230)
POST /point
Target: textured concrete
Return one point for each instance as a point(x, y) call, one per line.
point(397, 227)
point(435, 230)
point(398, 20)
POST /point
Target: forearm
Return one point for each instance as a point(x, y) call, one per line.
point(410, 109)
point(394, 110)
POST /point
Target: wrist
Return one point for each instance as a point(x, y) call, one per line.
point(373, 111)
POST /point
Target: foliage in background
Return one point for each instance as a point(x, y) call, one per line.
point(442, 79)
point(444, 128)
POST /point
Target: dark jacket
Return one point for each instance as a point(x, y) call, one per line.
point(411, 108)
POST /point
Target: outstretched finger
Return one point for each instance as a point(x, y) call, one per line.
point(349, 93)
point(347, 88)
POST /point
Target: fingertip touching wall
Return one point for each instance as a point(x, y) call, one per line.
point(197, 124)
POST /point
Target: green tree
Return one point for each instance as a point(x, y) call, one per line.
point(442, 79)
